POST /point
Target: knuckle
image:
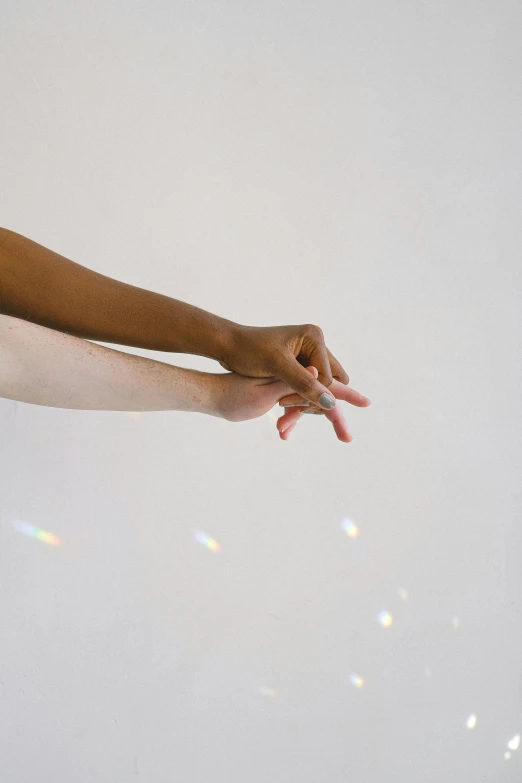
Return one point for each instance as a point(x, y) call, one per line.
point(315, 330)
point(307, 387)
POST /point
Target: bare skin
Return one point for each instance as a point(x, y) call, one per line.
point(46, 288)
point(248, 398)
point(287, 423)
point(44, 367)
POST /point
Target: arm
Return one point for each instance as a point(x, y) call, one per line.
point(39, 285)
point(45, 367)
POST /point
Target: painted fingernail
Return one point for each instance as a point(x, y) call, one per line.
point(327, 401)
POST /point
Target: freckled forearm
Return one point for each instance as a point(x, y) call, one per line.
point(45, 367)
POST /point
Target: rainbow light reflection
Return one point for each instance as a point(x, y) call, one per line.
point(350, 528)
point(209, 543)
point(270, 692)
point(385, 619)
point(356, 680)
point(403, 593)
point(36, 532)
point(514, 743)
point(134, 415)
point(471, 721)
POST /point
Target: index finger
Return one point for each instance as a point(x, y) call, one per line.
point(337, 370)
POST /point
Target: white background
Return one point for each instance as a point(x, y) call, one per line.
point(351, 164)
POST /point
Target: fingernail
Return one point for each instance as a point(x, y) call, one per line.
point(327, 401)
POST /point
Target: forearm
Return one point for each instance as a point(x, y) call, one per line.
point(46, 288)
point(45, 367)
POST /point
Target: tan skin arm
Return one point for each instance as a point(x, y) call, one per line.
point(41, 286)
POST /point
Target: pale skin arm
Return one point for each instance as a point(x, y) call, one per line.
point(45, 288)
point(45, 367)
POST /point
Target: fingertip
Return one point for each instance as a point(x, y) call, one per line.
point(327, 401)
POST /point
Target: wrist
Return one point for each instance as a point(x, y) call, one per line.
point(204, 334)
point(191, 391)
point(215, 394)
point(223, 339)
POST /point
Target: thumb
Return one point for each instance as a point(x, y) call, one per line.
point(303, 382)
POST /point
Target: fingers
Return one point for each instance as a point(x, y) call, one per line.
point(289, 420)
point(298, 378)
point(339, 424)
point(314, 352)
point(295, 399)
point(286, 423)
point(339, 391)
point(338, 372)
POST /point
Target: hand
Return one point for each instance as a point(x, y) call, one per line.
point(282, 353)
point(240, 399)
point(294, 411)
